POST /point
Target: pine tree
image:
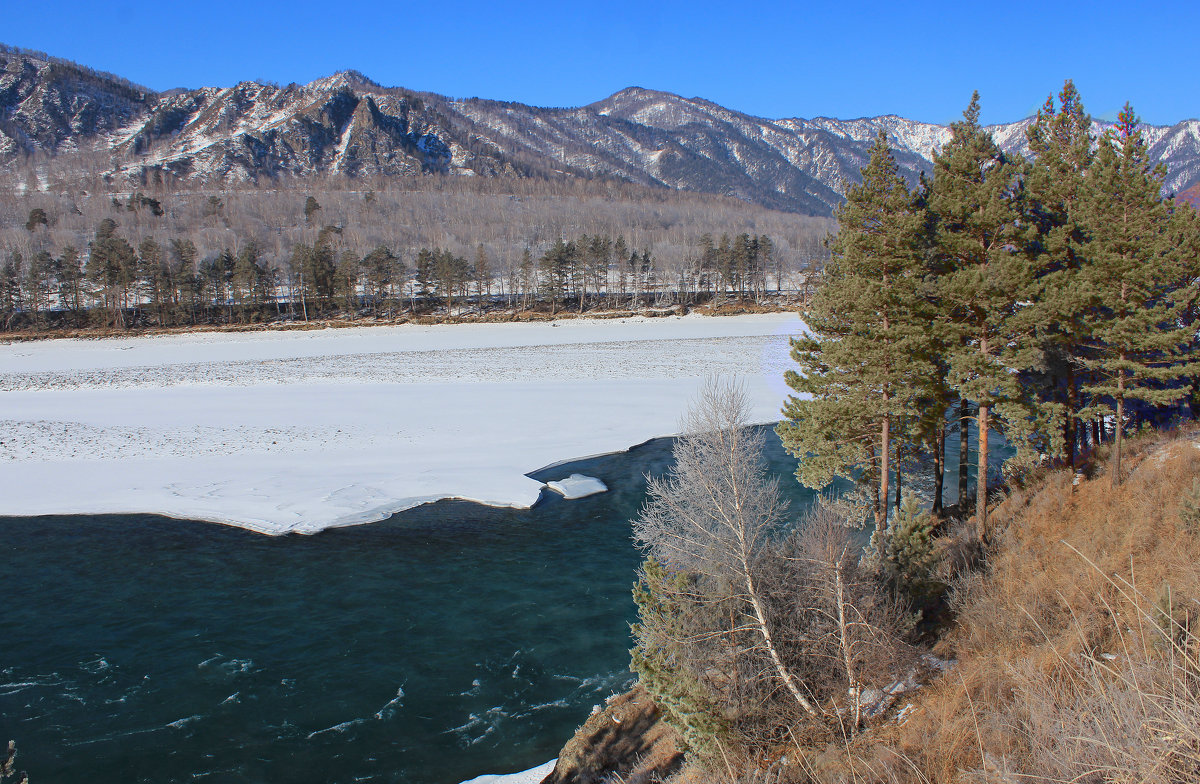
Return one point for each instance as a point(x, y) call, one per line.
point(907, 554)
point(867, 345)
point(451, 273)
point(323, 265)
point(37, 217)
point(36, 285)
point(311, 207)
point(599, 251)
point(69, 273)
point(978, 233)
point(927, 430)
point(111, 267)
point(555, 267)
point(424, 272)
point(152, 276)
point(249, 274)
point(668, 605)
point(382, 269)
point(482, 274)
point(1059, 312)
point(10, 288)
point(183, 272)
point(1140, 281)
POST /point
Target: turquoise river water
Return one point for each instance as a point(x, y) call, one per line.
point(448, 641)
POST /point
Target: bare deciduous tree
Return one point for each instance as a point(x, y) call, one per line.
point(843, 619)
point(716, 509)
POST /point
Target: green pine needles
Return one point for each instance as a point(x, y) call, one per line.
point(1055, 297)
point(906, 554)
point(869, 357)
point(666, 618)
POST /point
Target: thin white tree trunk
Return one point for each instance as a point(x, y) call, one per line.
point(785, 675)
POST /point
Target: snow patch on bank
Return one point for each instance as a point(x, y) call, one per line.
point(284, 432)
point(531, 776)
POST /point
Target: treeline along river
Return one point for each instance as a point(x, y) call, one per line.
point(448, 641)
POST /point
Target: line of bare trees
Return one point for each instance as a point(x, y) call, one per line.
point(457, 213)
point(168, 258)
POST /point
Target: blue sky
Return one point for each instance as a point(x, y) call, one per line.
point(771, 59)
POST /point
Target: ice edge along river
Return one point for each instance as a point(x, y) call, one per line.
point(299, 431)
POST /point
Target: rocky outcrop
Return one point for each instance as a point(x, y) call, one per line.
point(626, 738)
point(46, 105)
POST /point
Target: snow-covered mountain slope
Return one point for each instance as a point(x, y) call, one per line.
point(347, 124)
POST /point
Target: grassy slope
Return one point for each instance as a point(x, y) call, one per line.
point(1064, 672)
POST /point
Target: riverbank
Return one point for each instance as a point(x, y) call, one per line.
point(282, 432)
point(466, 314)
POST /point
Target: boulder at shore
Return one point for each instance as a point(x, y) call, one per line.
point(626, 738)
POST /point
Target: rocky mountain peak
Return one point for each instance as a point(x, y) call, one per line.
point(349, 124)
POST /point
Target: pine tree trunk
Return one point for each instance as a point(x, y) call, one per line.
point(981, 481)
point(1118, 430)
point(1070, 425)
point(939, 465)
point(884, 468)
point(964, 418)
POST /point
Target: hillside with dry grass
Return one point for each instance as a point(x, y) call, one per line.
point(1076, 641)
point(1070, 646)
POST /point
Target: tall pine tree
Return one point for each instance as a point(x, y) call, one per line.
point(1059, 311)
point(865, 349)
point(1140, 280)
point(974, 202)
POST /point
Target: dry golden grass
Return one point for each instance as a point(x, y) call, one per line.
point(1064, 672)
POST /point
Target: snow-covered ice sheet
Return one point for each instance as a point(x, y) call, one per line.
point(305, 430)
point(577, 486)
point(531, 776)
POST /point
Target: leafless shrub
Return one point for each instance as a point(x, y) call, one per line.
point(842, 622)
point(751, 636)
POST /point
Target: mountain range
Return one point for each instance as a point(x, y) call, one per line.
point(52, 110)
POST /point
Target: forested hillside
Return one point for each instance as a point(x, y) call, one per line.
point(343, 197)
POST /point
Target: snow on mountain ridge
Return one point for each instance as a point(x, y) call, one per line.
point(348, 124)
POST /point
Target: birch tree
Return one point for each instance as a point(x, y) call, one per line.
point(716, 511)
